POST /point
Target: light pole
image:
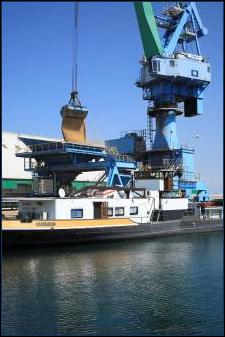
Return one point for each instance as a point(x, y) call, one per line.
point(195, 137)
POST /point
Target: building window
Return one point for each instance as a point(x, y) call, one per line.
point(158, 65)
point(150, 67)
point(155, 66)
point(172, 63)
point(110, 211)
point(119, 211)
point(208, 69)
point(194, 73)
point(76, 213)
point(133, 210)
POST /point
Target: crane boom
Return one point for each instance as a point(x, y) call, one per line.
point(148, 29)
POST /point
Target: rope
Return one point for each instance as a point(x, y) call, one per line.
point(75, 46)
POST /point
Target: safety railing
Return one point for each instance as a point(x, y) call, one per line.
point(172, 164)
point(189, 175)
point(139, 133)
point(112, 151)
point(59, 146)
point(212, 213)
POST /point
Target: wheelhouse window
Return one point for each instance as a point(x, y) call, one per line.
point(133, 210)
point(76, 213)
point(110, 211)
point(119, 211)
point(10, 205)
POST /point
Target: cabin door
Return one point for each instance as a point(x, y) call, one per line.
point(168, 184)
point(100, 210)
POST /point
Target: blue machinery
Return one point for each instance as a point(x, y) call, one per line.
point(173, 80)
point(61, 162)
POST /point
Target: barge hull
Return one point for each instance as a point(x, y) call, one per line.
point(33, 237)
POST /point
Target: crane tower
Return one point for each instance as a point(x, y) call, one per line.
point(173, 78)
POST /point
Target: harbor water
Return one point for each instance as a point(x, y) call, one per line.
point(154, 287)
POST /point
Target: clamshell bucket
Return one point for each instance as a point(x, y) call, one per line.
point(71, 111)
point(73, 116)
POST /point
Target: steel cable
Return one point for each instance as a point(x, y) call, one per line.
point(75, 46)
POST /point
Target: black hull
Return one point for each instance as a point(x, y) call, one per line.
point(31, 237)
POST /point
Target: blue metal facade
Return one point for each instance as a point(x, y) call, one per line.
point(124, 144)
point(166, 134)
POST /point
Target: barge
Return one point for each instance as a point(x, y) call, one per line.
point(103, 214)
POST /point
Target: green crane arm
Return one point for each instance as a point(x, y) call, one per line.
point(148, 29)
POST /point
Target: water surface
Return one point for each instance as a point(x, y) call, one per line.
point(165, 286)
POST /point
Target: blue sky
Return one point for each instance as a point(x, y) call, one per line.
point(36, 77)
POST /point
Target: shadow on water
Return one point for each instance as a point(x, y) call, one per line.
point(165, 286)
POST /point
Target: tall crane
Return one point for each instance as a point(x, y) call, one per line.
point(173, 80)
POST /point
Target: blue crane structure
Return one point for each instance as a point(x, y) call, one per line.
point(173, 78)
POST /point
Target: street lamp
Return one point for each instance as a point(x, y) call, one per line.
point(195, 137)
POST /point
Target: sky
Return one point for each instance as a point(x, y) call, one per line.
point(37, 68)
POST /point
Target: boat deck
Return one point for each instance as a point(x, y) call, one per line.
point(65, 224)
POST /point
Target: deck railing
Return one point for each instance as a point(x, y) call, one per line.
point(112, 151)
point(59, 146)
point(63, 146)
